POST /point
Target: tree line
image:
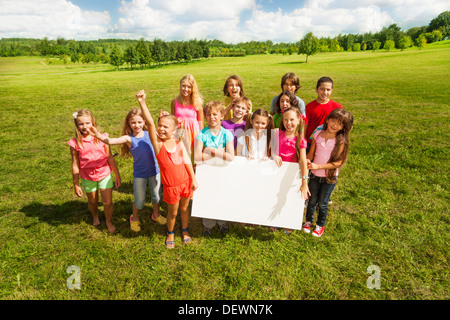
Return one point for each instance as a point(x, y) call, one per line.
point(142, 53)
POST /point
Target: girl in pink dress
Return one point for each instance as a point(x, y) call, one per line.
point(187, 107)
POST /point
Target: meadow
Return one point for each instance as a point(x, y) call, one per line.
point(390, 207)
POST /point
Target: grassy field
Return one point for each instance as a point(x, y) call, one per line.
point(390, 208)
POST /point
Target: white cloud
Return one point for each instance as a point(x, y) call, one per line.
point(52, 19)
point(183, 19)
point(231, 21)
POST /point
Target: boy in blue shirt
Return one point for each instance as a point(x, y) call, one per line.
point(214, 141)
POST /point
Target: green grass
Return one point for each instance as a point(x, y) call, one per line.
point(390, 207)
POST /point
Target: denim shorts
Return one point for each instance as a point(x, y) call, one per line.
point(140, 188)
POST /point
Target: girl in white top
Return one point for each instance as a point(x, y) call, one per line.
point(255, 142)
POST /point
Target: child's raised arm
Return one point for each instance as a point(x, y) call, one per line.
point(108, 140)
point(140, 96)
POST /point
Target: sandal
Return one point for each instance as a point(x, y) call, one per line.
point(135, 225)
point(170, 244)
point(161, 220)
point(187, 240)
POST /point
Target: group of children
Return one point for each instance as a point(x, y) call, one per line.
point(166, 152)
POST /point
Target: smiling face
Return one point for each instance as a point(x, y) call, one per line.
point(239, 110)
point(214, 117)
point(259, 123)
point(185, 88)
point(290, 121)
point(166, 128)
point(234, 90)
point(289, 86)
point(285, 102)
point(334, 125)
point(84, 123)
point(324, 92)
point(136, 124)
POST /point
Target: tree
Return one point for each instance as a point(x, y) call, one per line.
point(405, 42)
point(131, 56)
point(376, 45)
point(116, 57)
point(389, 45)
point(309, 45)
point(144, 53)
point(442, 20)
point(420, 41)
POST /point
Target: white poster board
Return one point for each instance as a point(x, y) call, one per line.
point(249, 191)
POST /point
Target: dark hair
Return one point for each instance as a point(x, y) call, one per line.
point(292, 98)
point(346, 118)
point(238, 79)
point(270, 126)
point(322, 80)
point(295, 80)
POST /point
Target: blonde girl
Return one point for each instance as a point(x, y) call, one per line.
point(328, 152)
point(187, 107)
point(177, 174)
point(255, 143)
point(135, 141)
point(92, 161)
point(241, 107)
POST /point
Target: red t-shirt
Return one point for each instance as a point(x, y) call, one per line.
point(316, 114)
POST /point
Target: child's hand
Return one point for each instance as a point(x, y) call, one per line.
point(278, 160)
point(141, 96)
point(304, 191)
point(312, 165)
point(78, 191)
point(117, 181)
point(94, 131)
point(163, 113)
point(194, 184)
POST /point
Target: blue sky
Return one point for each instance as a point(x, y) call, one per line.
point(231, 21)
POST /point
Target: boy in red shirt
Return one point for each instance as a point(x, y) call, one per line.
point(317, 111)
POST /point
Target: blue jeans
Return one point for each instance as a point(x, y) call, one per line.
point(320, 191)
point(140, 188)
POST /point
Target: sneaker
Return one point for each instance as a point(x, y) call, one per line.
point(318, 231)
point(307, 227)
point(224, 229)
point(207, 232)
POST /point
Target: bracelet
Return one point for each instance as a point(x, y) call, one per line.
point(304, 177)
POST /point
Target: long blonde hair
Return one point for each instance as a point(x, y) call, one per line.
point(127, 130)
point(78, 134)
point(196, 98)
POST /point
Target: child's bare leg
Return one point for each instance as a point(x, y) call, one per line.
point(171, 217)
point(108, 207)
point(135, 215)
point(93, 207)
point(184, 213)
point(156, 213)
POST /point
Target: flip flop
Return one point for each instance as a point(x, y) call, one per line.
point(135, 225)
point(187, 240)
point(170, 244)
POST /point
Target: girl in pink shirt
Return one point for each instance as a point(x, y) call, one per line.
point(93, 162)
point(291, 145)
point(328, 152)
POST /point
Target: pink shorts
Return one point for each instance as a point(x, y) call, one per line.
point(172, 195)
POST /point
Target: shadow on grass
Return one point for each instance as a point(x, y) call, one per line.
point(76, 212)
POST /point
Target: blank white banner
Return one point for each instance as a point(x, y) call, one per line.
point(249, 191)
